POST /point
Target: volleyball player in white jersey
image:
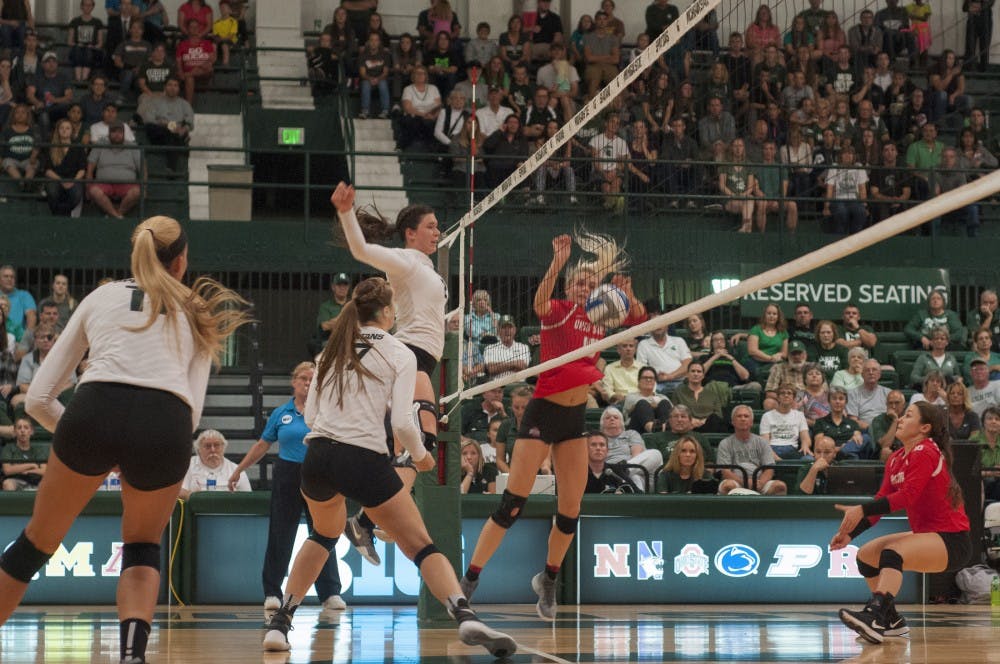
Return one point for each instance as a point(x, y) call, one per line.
point(151, 343)
point(421, 298)
point(364, 373)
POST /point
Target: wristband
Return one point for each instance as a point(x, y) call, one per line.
point(860, 528)
point(876, 507)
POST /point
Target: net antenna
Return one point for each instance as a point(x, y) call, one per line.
point(462, 278)
point(967, 194)
point(671, 36)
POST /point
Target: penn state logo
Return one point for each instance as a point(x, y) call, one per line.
point(286, 418)
point(737, 560)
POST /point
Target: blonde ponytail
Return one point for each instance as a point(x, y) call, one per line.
point(608, 257)
point(213, 311)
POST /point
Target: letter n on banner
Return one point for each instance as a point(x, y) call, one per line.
point(611, 560)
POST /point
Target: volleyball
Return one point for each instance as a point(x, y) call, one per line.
point(607, 305)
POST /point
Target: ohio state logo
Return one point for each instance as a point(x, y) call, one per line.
point(691, 561)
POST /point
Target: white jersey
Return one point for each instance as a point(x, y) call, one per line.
point(420, 293)
point(360, 419)
point(155, 358)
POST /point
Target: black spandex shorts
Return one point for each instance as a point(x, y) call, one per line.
point(143, 431)
point(959, 547)
point(552, 423)
point(332, 468)
point(425, 361)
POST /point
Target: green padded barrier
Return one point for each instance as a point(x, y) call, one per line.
point(445, 529)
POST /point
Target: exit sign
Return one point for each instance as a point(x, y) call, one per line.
point(291, 136)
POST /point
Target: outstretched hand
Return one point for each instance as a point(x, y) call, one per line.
point(343, 197)
point(839, 541)
point(852, 517)
point(624, 282)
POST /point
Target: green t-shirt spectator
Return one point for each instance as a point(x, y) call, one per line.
point(989, 456)
point(769, 178)
point(819, 488)
point(923, 157)
point(36, 453)
point(327, 310)
point(769, 345)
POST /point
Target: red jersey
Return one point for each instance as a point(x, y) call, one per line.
point(566, 328)
point(193, 53)
point(918, 482)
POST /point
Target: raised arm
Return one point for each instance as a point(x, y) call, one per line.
point(375, 255)
point(561, 245)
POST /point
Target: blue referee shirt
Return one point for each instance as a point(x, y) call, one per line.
point(288, 427)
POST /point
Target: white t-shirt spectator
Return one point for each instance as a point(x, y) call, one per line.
point(984, 398)
point(99, 133)
point(490, 121)
point(609, 152)
point(561, 79)
point(423, 102)
point(784, 428)
point(666, 358)
point(845, 181)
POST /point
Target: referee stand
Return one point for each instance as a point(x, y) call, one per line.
point(440, 504)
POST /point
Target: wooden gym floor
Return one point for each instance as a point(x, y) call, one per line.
point(596, 633)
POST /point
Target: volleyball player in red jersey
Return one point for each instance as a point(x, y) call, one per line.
point(554, 418)
point(918, 479)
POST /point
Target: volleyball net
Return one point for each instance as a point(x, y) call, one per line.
point(552, 156)
point(909, 219)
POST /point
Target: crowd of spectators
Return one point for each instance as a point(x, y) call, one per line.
point(688, 384)
point(846, 122)
point(800, 391)
point(85, 74)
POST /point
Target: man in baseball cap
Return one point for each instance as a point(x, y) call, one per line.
point(340, 288)
point(50, 94)
point(790, 371)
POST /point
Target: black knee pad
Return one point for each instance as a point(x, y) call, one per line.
point(566, 524)
point(510, 509)
point(22, 559)
point(140, 554)
point(428, 550)
point(866, 570)
point(327, 543)
point(890, 559)
point(430, 437)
